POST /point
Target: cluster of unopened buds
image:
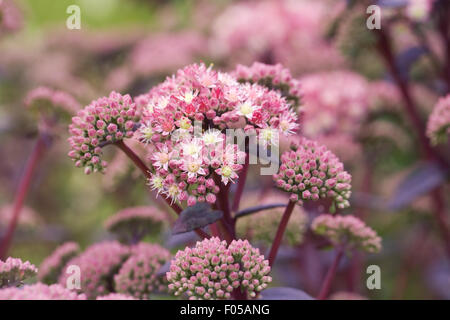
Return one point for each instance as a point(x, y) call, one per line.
point(106, 120)
point(138, 276)
point(213, 270)
point(97, 266)
point(310, 171)
point(51, 267)
point(347, 231)
point(14, 271)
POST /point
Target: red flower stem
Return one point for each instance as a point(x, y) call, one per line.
point(280, 232)
point(241, 184)
point(329, 278)
point(21, 193)
point(145, 170)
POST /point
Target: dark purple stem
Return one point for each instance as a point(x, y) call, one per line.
point(241, 184)
point(21, 193)
point(331, 274)
point(280, 232)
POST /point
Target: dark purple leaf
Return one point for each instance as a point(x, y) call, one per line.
point(284, 293)
point(419, 182)
point(197, 216)
point(392, 3)
point(407, 58)
point(256, 209)
point(438, 278)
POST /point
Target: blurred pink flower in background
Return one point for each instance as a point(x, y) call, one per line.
point(40, 291)
point(347, 231)
point(438, 128)
point(50, 269)
point(11, 18)
point(335, 107)
point(286, 31)
point(163, 53)
point(98, 264)
point(138, 276)
point(115, 296)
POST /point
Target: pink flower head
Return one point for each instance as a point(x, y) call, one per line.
point(51, 267)
point(116, 296)
point(106, 120)
point(40, 291)
point(13, 272)
point(197, 93)
point(274, 77)
point(438, 128)
point(138, 275)
point(212, 270)
point(98, 265)
point(132, 224)
point(347, 231)
point(47, 100)
point(310, 172)
point(186, 157)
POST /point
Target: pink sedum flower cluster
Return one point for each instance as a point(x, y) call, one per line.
point(310, 171)
point(347, 231)
point(116, 296)
point(274, 77)
point(40, 291)
point(44, 99)
point(213, 270)
point(438, 128)
point(138, 275)
point(106, 120)
point(98, 264)
point(136, 222)
point(51, 267)
point(185, 157)
point(13, 271)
